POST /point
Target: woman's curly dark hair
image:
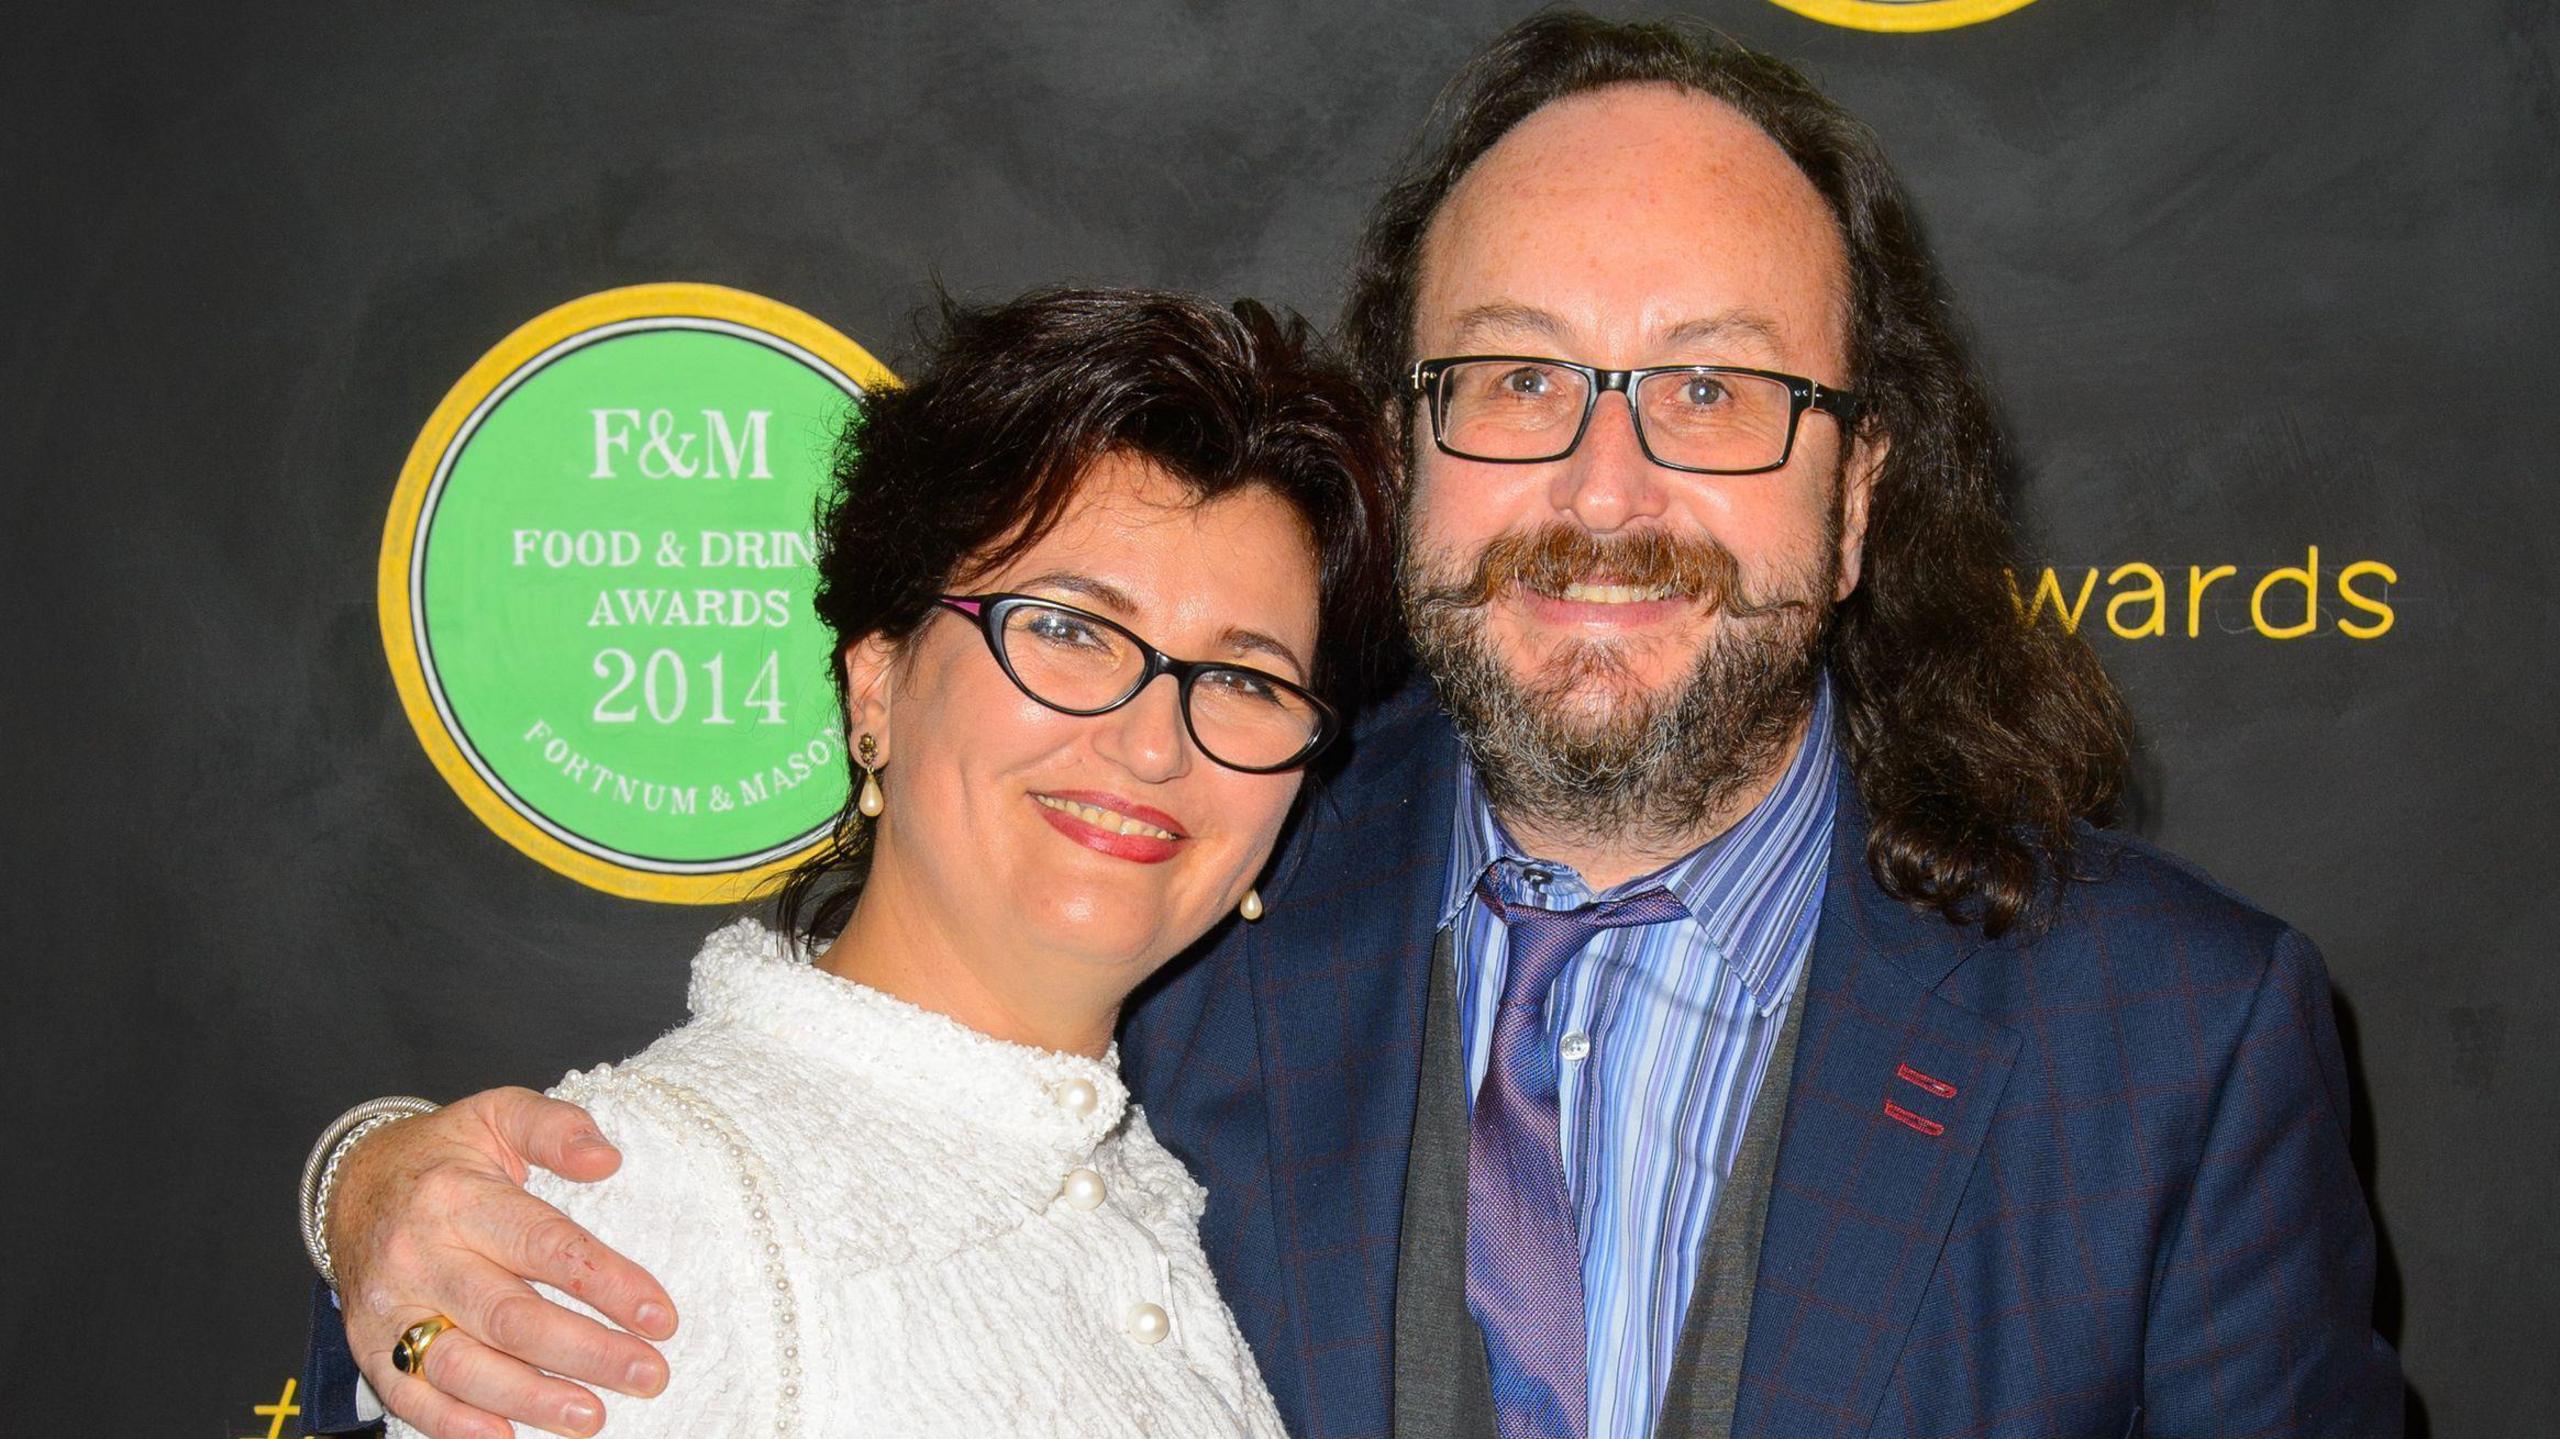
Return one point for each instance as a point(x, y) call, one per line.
point(1979, 741)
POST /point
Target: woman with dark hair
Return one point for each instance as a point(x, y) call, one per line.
point(888, 1169)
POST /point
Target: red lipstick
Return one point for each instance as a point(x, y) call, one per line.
point(1141, 848)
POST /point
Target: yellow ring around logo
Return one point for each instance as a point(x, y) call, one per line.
point(408, 503)
point(1902, 16)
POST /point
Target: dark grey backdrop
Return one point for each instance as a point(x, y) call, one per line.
point(2251, 275)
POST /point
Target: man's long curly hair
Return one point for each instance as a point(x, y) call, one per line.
point(1979, 741)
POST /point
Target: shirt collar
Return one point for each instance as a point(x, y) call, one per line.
point(1749, 888)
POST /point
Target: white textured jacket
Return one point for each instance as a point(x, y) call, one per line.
point(874, 1220)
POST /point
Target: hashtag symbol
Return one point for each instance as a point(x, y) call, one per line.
point(275, 1414)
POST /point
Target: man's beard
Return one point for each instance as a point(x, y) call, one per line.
point(1579, 751)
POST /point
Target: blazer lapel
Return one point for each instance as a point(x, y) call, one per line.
point(1339, 970)
point(1893, 1094)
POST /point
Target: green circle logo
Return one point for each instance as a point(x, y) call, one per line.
point(1902, 16)
point(595, 588)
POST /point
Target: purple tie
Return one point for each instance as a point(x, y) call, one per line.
point(1524, 1258)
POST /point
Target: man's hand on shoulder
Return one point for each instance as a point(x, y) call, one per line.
point(429, 1216)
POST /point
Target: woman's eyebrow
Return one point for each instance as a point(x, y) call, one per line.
point(1256, 642)
point(1109, 595)
point(1239, 640)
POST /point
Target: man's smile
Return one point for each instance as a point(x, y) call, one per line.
point(1607, 594)
point(1608, 606)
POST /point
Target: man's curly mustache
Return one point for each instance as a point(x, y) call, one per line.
point(1546, 560)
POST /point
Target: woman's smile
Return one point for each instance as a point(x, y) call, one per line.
point(1109, 824)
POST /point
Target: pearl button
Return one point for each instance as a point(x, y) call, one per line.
point(1149, 1324)
point(1576, 1045)
point(1083, 1189)
point(1077, 1097)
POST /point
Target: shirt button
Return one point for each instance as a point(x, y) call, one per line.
point(1083, 1189)
point(1149, 1324)
point(1077, 1097)
point(1575, 1046)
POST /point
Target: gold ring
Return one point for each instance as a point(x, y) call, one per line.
point(409, 1356)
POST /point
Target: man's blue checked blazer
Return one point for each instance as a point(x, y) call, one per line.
point(2092, 1180)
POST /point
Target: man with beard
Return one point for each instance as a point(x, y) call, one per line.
point(1736, 1024)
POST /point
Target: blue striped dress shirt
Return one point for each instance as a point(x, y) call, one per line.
point(1662, 1033)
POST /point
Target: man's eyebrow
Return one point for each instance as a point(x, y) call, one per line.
point(1108, 595)
point(1731, 325)
point(1507, 317)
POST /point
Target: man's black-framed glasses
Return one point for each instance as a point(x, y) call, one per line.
point(1706, 419)
point(1079, 663)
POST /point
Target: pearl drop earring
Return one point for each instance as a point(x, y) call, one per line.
point(871, 801)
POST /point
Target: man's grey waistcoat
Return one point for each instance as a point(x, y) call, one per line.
point(1442, 1387)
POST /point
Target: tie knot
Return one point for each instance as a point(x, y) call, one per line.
point(1541, 940)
